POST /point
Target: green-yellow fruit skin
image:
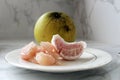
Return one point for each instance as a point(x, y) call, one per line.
point(47, 25)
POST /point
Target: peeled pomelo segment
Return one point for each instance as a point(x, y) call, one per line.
point(50, 49)
point(40, 49)
point(71, 54)
point(33, 60)
point(29, 51)
point(57, 41)
point(83, 43)
point(68, 51)
point(45, 59)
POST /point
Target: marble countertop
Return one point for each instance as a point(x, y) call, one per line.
point(110, 71)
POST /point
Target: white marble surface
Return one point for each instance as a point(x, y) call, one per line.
point(108, 72)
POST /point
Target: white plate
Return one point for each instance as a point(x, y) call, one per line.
point(90, 59)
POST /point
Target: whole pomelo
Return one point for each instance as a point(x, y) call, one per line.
point(51, 23)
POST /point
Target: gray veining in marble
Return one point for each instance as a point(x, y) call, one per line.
point(96, 20)
point(83, 28)
point(17, 18)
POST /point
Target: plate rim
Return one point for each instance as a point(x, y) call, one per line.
point(58, 70)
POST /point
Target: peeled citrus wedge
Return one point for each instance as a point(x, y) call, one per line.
point(45, 59)
point(68, 51)
point(50, 49)
point(29, 51)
